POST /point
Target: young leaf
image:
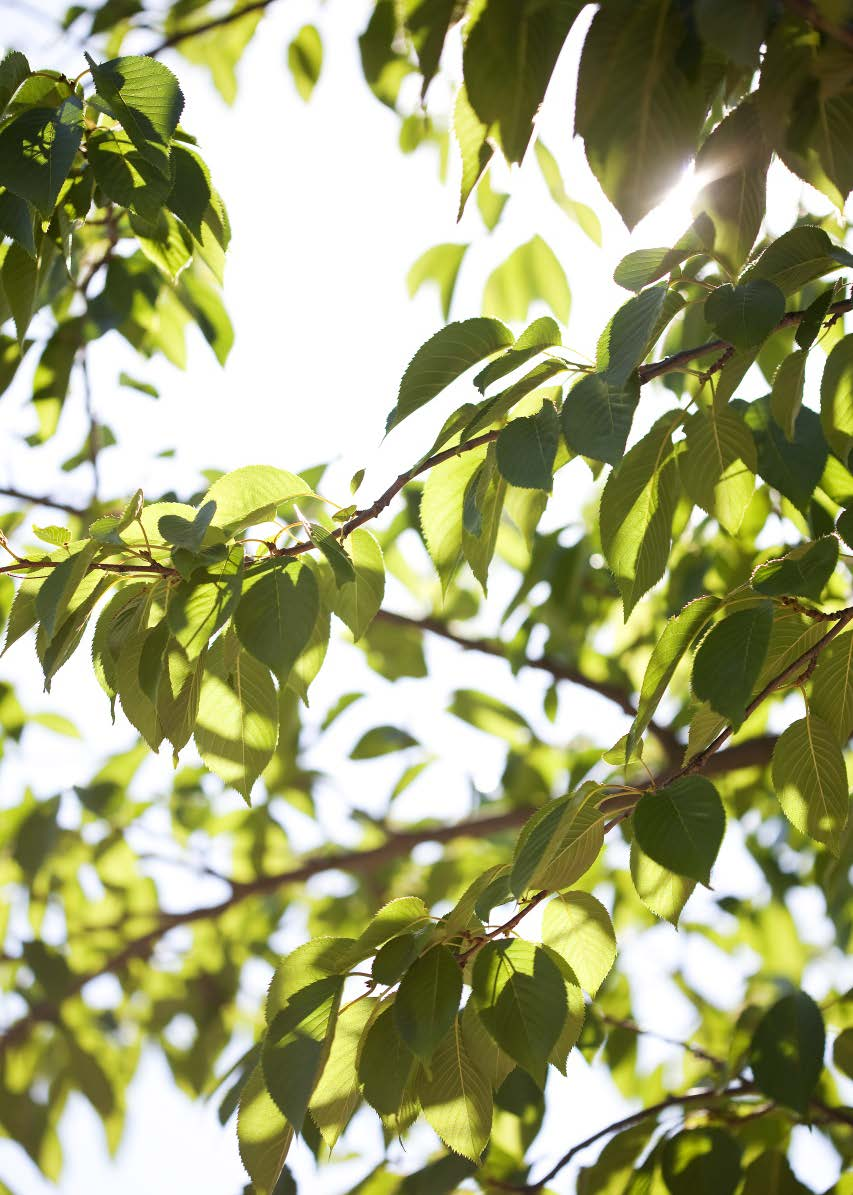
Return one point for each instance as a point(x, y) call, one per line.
point(357, 601)
point(456, 1096)
point(527, 447)
point(578, 927)
point(637, 509)
point(597, 416)
point(237, 721)
point(276, 615)
point(297, 1044)
point(836, 398)
point(444, 357)
point(428, 1000)
point(746, 314)
point(474, 147)
point(557, 845)
point(729, 660)
point(678, 635)
point(382, 740)
point(520, 995)
point(439, 264)
point(786, 1054)
point(251, 495)
point(810, 780)
point(578, 212)
point(681, 827)
point(542, 334)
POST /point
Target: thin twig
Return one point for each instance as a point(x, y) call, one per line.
point(228, 18)
point(41, 500)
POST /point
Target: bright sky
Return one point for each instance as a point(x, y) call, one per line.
point(327, 217)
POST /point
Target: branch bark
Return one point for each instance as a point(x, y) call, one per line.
point(41, 500)
point(229, 18)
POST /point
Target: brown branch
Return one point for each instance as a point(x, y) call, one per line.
point(812, 16)
point(545, 663)
point(690, 1099)
point(41, 500)
point(688, 1047)
point(236, 14)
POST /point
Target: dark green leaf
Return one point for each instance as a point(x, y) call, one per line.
point(145, 98)
point(597, 416)
point(428, 1000)
point(527, 448)
point(681, 827)
point(37, 149)
point(795, 468)
point(625, 341)
point(836, 398)
point(382, 740)
point(729, 660)
point(746, 314)
point(702, 1161)
point(803, 572)
point(786, 1054)
point(276, 615)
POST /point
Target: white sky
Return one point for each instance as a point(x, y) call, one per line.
point(327, 217)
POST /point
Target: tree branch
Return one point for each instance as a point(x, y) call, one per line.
point(545, 663)
point(41, 500)
point(228, 18)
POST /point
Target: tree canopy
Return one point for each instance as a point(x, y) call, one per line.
point(694, 573)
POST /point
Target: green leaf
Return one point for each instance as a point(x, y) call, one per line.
point(445, 357)
point(16, 220)
point(797, 257)
point(428, 1000)
point(37, 149)
point(836, 398)
point(441, 511)
point(482, 507)
point(263, 1134)
point(439, 264)
point(557, 845)
point(297, 1044)
point(578, 212)
point(532, 272)
point(625, 341)
point(832, 687)
point(701, 1161)
point(57, 536)
point(520, 995)
point(276, 614)
point(786, 398)
point(333, 550)
point(575, 1012)
point(786, 1053)
point(510, 51)
point(810, 780)
point(19, 276)
point(126, 175)
point(237, 721)
point(397, 917)
point(386, 1065)
point(637, 509)
point(358, 601)
point(795, 468)
point(382, 740)
point(718, 467)
point(543, 333)
point(809, 327)
point(474, 148)
point(200, 607)
point(305, 60)
point(746, 314)
point(527, 447)
point(664, 892)
point(729, 660)
point(736, 28)
point(456, 1096)
point(842, 1052)
point(145, 98)
point(678, 635)
point(579, 929)
point(734, 160)
point(138, 708)
point(58, 589)
point(803, 572)
point(252, 495)
point(337, 1094)
point(681, 827)
point(14, 69)
point(770, 1174)
point(178, 695)
point(597, 416)
point(640, 107)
